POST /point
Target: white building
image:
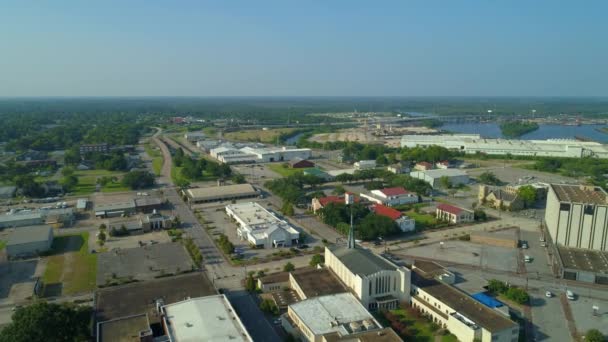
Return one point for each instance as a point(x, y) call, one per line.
point(453, 214)
point(473, 143)
point(365, 165)
point(315, 318)
point(375, 281)
point(260, 227)
point(577, 216)
point(433, 177)
point(209, 318)
point(194, 136)
point(232, 154)
point(27, 241)
point(391, 196)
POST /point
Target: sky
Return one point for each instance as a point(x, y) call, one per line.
point(303, 48)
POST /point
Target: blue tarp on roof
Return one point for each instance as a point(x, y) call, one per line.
point(486, 300)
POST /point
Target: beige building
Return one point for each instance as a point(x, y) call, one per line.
point(220, 193)
point(377, 282)
point(465, 317)
point(577, 216)
point(453, 214)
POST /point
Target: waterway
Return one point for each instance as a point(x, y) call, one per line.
point(492, 130)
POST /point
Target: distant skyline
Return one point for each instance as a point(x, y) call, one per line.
point(303, 48)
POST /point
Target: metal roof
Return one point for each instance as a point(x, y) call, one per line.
point(362, 261)
point(29, 234)
point(198, 194)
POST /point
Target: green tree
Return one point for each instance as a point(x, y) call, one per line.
point(250, 283)
point(316, 260)
point(480, 215)
point(444, 182)
point(489, 178)
point(287, 209)
point(338, 190)
point(528, 194)
point(594, 335)
point(69, 182)
point(372, 226)
point(101, 237)
point(67, 171)
point(238, 178)
point(138, 179)
point(268, 306)
point(289, 267)
point(50, 322)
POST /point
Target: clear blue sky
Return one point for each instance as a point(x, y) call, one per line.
point(284, 47)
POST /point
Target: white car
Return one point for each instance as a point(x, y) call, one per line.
point(548, 294)
point(524, 245)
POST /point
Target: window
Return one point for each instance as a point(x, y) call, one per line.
point(564, 206)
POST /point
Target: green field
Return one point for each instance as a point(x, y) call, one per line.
point(157, 165)
point(420, 326)
point(71, 265)
point(87, 182)
point(422, 220)
point(2, 244)
point(284, 171)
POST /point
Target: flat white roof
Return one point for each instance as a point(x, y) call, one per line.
point(209, 318)
point(198, 194)
point(332, 313)
point(341, 171)
point(438, 173)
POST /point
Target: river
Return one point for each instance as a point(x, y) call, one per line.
point(491, 130)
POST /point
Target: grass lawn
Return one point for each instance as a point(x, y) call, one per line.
point(268, 136)
point(2, 244)
point(176, 175)
point(421, 326)
point(284, 171)
point(422, 220)
point(87, 181)
point(71, 265)
point(157, 165)
point(449, 338)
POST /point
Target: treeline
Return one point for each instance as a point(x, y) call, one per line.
point(198, 169)
point(594, 168)
point(515, 129)
point(368, 225)
point(292, 188)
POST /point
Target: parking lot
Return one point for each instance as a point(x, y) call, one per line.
point(130, 241)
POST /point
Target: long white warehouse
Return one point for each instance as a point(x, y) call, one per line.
point(473, 143)
point(260, 227)
point(258, 155)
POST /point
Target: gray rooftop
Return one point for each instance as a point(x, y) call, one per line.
point(116, 206)
point(362, 261)
point(20, 216)
point(584, 259)
point(579, 193)
point(29, 234)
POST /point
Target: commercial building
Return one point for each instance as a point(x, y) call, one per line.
point(115, 209)
point(466, 318)
point(583, 265)
point(365, 165)
point(577, 216)
point(220, 193)
point(433, 177)
point(404, 223)
point(132, 312)
point(391, 196)
point(399, 168)
point(341, 314)
point(473, 143)
point(453, 214)
point(141, 223)
point(377, 282)
point(209, 318)
point(20, 219)
point(260, 227)
point(27, 241)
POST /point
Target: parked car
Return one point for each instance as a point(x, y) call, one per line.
point(524, 245)
point(527, 258)
point(569, 295)
point(543, 244)
point(548, 294)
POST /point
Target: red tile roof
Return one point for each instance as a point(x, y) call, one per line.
point(450, 208)
point(427, 164)
point(334, 199)
point(394, 191)
point(383, 210)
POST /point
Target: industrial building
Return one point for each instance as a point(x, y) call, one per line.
point(299, 163)
point(260, 227)
point(577, 216)
point(377, 283)
point(129, 207)
point(209, 318)
point(230, 154)
point(433, 177)
point(342, 314)
point(194, 136)
point(454, 310)
point(391, 196)
point(220, 193)
point(99, 148)
point(405, 224)
point(474, 143)
point(365, 165)
point(583, 265)
point(20, 219)
point(28, 241)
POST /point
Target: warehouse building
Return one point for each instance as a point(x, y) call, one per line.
point(220, 193)
point(577, 216)
point(583, 265)
point(232, 154)
point(194, 136)
point(433, 177)
point(473, 143)
point(28, 241)
point(260, 227)
point(20, 219)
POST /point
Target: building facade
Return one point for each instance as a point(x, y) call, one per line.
point(260, 227)
point(391, 196)
point(453, 214)
point(27, 241)
point(433, 177)
point(577, 216)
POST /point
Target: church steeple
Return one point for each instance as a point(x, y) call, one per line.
point(351, 232)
